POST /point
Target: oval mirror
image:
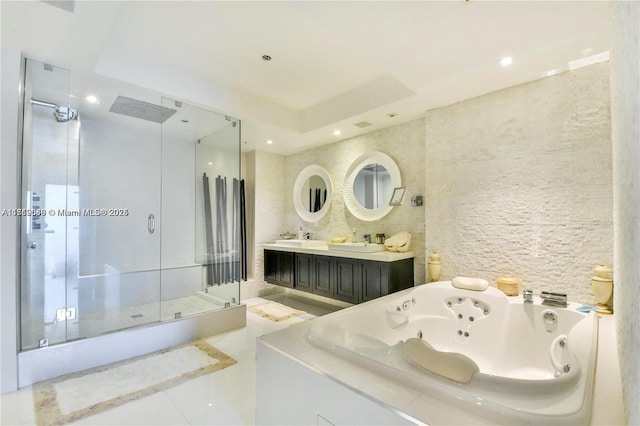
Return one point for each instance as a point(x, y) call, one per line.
point(312, 192)
point(369, 185)
point(372, 186)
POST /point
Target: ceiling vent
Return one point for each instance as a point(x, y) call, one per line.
point(363, 124)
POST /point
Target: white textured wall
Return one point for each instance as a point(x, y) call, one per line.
point(269, 208)
point(625, 133)
point(518, 183)
point(404, 143)
point(248, 173)
point(10, 84)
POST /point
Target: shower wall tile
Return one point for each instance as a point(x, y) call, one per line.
point(518, 183)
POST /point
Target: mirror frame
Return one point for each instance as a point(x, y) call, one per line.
point(303, 176)
point(349, 196)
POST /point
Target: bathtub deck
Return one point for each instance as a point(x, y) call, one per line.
point(320, 386)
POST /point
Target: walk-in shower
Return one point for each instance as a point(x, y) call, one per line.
point(114, 235)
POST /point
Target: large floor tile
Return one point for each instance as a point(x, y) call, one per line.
point(156, 409)
point(240, 412)
point(16, 408)
point(226, 397)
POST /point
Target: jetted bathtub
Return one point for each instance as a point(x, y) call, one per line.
point(497, 357)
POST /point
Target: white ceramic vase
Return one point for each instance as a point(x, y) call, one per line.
point(434, 266)
point(602, 287)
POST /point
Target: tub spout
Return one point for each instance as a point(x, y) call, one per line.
point(528, 296)
point(554, 299)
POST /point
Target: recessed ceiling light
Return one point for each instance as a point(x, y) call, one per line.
point(266, 58)
point(337, 132)
point(269, 141)
point(506, 61)
point(210, 163)
point(92, 99)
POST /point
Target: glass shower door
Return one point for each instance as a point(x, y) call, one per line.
point(201, 250)
point(118, 238)
point(90, 257)
point(48, 138)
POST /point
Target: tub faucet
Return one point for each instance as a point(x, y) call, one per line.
point(554, 299)
point(528, 296)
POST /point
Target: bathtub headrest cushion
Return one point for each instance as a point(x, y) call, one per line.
point(452, 365)
point(466, 283)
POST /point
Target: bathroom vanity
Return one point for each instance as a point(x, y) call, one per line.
point(352, 277)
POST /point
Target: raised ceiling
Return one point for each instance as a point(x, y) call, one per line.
point(334, 64)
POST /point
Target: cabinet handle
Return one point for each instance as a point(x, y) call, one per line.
point(151, 223)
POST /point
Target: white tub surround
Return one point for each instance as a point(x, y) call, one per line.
point(521, 351)
point(380, 256)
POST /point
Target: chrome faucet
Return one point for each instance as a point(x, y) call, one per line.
point(554, 299)
point(367, 238)
point(528, 296)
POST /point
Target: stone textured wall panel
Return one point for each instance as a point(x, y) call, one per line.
point(518, 183)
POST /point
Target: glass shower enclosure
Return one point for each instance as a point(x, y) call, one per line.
point(131, 208)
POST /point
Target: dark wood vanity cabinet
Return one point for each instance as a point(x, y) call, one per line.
point(279, 267)
point(347, 279)
point(374, 279)
point(323, 272)
point(381, 278)
point(304, 274)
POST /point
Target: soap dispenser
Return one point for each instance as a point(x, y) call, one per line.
point(300, 234)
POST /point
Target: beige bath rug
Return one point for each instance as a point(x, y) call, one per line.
point(275, 311)
point(74, 396)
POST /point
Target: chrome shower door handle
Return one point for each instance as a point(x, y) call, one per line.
point(151, 223)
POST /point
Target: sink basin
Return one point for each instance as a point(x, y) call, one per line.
point(357, 247)
point(301, 243)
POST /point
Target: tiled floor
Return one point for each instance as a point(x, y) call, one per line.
point(225, 397)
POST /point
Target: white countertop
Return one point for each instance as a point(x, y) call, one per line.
point(381, 256)
point(607, 405)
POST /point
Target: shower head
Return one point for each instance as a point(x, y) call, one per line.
point(62, 114)
point(141, 109)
